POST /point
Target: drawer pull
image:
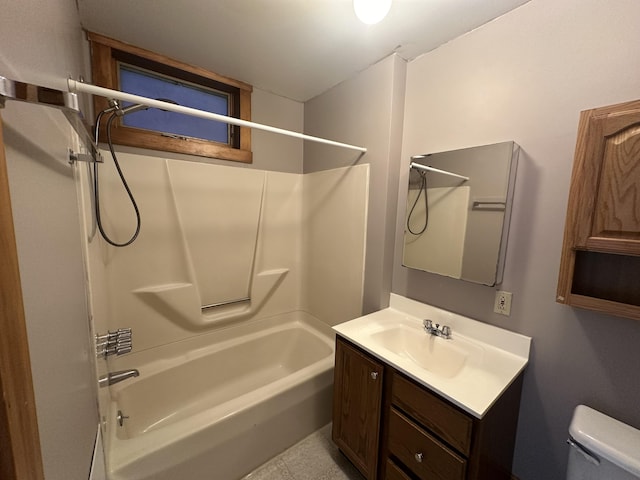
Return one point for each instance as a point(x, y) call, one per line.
point(374, 375)
point(419, 457)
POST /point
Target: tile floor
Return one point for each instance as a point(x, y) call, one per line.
point(313, 458)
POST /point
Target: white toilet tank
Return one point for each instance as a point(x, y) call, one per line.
point(602, 448)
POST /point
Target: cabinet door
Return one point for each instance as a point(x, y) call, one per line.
point(605, 196)
point(601, 252)
point(357, 400)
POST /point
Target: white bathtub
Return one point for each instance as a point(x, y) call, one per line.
point(216, 411)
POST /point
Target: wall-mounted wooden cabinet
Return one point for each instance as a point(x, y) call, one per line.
point(600, 266)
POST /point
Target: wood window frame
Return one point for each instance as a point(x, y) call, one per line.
point(105, 55)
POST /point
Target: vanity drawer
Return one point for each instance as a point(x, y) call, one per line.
point(393, 472)
point(451, 425)
point(422, 453)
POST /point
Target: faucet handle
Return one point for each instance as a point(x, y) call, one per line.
point(427, 323)
point(122, 349)
point(446, 331)
point(116, 342)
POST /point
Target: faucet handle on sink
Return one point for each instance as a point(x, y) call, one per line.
point(446, 331)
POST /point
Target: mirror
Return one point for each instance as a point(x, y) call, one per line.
point(458, 212)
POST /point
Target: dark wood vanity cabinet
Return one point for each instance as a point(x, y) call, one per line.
point(600, 263)
point(400, 430)
point(357, 404)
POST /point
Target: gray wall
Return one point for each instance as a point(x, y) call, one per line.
point(42, 43)
point(525, 77)
point(365, 111)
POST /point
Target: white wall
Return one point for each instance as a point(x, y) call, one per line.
point(42, 43)
point(208, 232)
point(213, 234)
point(334, 225)
point(276, 152)
point(365, 110)
point(525, 77)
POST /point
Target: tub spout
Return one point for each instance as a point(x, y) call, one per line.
point(115, 377)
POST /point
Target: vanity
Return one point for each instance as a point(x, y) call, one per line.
point(411, 405)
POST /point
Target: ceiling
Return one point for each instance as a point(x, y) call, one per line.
point(294, 48)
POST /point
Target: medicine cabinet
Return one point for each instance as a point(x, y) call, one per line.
point(458, 212)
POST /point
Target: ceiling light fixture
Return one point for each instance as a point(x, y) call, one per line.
point(371, 11)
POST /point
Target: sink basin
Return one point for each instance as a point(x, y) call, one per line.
point(471, 369)
point(445, 358)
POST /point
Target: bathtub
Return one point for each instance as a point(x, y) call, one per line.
point(216, 411)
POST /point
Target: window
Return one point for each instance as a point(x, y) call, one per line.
point(123, 67)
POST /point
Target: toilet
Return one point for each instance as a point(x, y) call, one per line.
point(602, 448)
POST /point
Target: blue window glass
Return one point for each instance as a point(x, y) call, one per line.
point(139, 82)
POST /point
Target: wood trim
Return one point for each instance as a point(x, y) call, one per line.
point(605, 306)
point(104, 71)
point(617, 115)
point(20, 455)
point(576, 224)
point(95, 38)
point(134, 137)
point(614, 245)
point(245, 114)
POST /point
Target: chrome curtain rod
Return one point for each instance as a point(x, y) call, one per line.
point(437, 170)
point(75, 86)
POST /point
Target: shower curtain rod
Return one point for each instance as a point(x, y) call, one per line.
point(437, 170)
point(66, 102)
point(75, 86)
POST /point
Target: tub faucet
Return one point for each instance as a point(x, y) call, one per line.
point(444, 332)
point(116, 377)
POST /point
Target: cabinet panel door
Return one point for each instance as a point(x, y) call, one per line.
point(602, 232)
point(609, 204)
point(617, 212)
point(357, 399)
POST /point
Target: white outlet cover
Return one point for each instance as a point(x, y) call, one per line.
point(502, 303)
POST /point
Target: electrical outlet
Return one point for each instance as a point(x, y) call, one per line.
point(502, 304)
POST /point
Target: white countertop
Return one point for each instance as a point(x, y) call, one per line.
point(493, 356)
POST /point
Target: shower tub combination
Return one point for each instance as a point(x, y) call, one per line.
point(202, 410)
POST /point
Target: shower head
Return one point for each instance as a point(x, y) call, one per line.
point(131, 109)
point(121, 112)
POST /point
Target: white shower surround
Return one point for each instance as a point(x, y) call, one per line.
point(306, 232)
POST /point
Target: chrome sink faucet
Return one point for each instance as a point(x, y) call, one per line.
point(444, 332)
point(116, 377)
